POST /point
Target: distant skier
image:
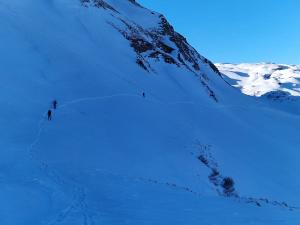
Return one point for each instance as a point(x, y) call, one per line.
point(49, 114)
point(54, 104)
point(144, 95)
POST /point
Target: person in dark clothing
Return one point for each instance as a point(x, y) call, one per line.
point(54, 104)
point(144, 95)
point(49, 114)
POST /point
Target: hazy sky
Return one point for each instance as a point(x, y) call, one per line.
point(237, 30)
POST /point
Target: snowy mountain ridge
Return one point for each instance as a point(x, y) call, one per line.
point(157, 40)
point(263, 78)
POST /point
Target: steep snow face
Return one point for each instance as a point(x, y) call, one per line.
point(153, 39)
point(113, 156)
point(263, 78)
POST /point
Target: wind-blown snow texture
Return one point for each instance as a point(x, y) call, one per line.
point(111, 156)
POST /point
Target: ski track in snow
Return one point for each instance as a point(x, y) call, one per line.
point(122, 95)
point(79, 196)
point(78, 199)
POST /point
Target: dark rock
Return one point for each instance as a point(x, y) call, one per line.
point(140, 45)
point(97, 4)
point(277, 95)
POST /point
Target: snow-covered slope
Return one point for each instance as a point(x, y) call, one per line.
point(112, 156)
point(263, 78)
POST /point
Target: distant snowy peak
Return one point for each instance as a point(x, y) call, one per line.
point(274, 81)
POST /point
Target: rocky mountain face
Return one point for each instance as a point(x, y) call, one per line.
point(159, 42)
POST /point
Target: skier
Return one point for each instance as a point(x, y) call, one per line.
point(144, 95)
point(49, 114)
point(54, 104)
